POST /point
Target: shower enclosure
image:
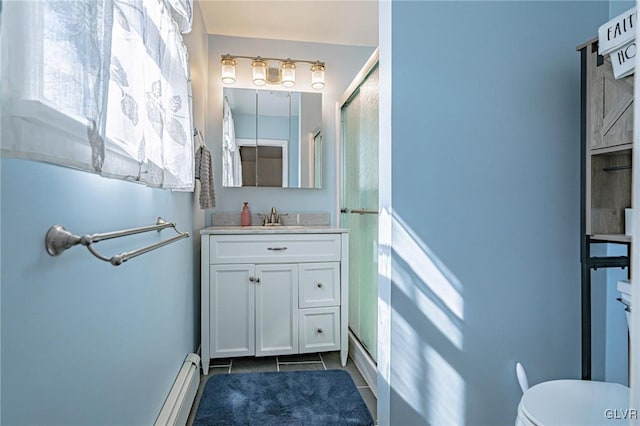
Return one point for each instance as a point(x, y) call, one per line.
point(359, 206)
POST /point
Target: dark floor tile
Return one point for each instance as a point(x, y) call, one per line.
point(302, 366)
point(371, 401)
point(220, 361)
point(331, 359)
point(253, 365)
point(299, 357)
point(218, 370)
point(355, 373)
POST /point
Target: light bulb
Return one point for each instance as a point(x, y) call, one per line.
point(317, 76)
point(228, 71)
point(288, 74)
point(259, 72)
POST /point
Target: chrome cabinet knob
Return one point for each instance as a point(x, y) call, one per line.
point(319, 285)
point(319, 331)
point(257, 280)
point(252, 279)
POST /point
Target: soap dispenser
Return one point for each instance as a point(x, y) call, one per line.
point(245, 216)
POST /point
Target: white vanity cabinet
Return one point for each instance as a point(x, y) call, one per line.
point(272, 292)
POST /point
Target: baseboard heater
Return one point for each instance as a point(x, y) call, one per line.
point(176, 408)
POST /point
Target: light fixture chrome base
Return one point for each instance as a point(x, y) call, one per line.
point(274, 75)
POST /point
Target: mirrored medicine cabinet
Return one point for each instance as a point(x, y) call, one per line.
point(272, 138)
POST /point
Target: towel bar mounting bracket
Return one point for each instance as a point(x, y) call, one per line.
point(58, 240)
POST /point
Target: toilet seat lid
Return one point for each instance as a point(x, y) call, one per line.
point(576, 402)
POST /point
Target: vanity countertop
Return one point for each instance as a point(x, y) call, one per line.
point(273, 230)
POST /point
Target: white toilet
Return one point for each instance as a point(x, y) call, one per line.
point(574, 402)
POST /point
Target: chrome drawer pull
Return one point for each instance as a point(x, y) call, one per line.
point(319, 331)
point(319, 285)
point(276, 248)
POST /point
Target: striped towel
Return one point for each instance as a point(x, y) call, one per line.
point(204, 172)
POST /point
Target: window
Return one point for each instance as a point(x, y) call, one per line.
point(99, 85)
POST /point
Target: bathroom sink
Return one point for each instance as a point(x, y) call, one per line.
point(265, 229)
point(271, 228)
point(283, 227)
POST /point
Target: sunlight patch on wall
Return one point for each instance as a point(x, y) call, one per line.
point(426, 266)
point(384, 243)
point(384, 295)
point(445, 391)
point(384, 330)
point(423, 278)
point(425, 380)
point(434, 313)
point(421, 376)
point(408, 378)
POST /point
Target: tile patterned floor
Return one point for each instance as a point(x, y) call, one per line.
point(302, 362)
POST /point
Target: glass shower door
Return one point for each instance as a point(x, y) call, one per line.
point(359, 207)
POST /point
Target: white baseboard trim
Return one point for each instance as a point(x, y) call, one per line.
point(176, 408)
point(364, 363)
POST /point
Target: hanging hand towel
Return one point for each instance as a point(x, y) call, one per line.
point(204, 172)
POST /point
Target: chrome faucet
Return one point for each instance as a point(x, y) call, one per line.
point(272, 219)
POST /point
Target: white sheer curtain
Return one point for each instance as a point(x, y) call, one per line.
point(232, 165)
point(100, 85)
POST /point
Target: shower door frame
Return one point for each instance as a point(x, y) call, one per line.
point(363, 361)
point(355, 84)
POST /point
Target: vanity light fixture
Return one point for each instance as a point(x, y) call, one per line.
point(263, 73)
point(228, 69)
point(317, 75)
point(288, 73)
point(259, 71)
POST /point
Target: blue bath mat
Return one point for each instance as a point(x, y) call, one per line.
point(277, 399)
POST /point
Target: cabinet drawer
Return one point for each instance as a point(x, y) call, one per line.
point(319, 329)
point(319, 284)
point(273, 248)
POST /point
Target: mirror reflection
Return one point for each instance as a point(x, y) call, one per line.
point(272, 138)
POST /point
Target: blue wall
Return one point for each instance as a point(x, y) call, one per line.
point(485, 184)
point(343, 63)
point(616, 7)
point(84, 342)
point(270, 127)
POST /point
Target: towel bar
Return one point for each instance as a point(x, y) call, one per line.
point(58, 239)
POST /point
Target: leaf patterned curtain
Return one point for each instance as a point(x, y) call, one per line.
point(182, 11)
point(118, 67)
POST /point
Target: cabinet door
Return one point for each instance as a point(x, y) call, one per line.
point(610, 104)
point(232, 310)
point(276, 309)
